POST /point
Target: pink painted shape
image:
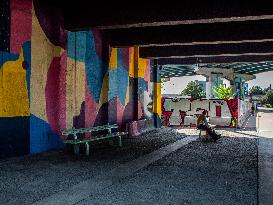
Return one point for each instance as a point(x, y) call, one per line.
point(91, 108)
point(133, 129)
point(120, 112)
point(147, 72)
point(20, 23)
point(140, 112)
point(98, 42)
point(125, 56)
point(55, 93)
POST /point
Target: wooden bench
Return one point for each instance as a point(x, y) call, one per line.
point(76, 141)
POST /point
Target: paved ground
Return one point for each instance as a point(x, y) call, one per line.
point(265, 127)
point(198, 173)
point(27, 179)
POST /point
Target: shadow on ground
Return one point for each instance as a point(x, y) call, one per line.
point(224, 172)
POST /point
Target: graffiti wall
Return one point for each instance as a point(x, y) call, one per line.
point(52, 79)
point(15, 67)
point(184, 112)
point(244, 111)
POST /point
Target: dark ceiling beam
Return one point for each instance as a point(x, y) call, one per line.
point(106, 14)
point(218, 49)
point(215, 59)
point(217, 33)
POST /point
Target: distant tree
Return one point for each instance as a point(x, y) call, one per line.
point(162, 81)
point(224, 93)
point(256, 90)
point(194, 90)
point(269, 98)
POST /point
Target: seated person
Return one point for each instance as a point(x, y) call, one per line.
point(202, 124)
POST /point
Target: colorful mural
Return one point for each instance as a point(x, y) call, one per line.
point(184, 111)
point(52, 79)
point(15, 68)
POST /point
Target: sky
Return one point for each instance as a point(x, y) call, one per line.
point(176, 85)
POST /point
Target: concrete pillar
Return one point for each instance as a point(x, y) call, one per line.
point(208, 87)
point(241, 86)
point(136, 84)
point(157, 94)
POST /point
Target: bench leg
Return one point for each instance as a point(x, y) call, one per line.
point(111, 142)
point(87, 149)
point(119, 141)
point(76, 149)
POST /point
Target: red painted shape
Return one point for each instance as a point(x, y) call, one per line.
point(166, 114)
point(218, 111)
point(182, 114)
point(55, 93)
point(20, 23)
point(233, 107)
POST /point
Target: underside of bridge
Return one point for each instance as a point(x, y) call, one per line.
point(84, 66)
point(222, 34)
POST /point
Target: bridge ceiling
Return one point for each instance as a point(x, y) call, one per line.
point(168, 71)
point(176, 70)
point(244, 68)
point(212, 33)
point(80, 15)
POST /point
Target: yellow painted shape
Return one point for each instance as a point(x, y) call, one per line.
point(127, 98)
point(42, 54)
point(137, 66)
point(142, 65)
point(131, 63)
point(157, 99)
point(104, 89)
point(113, 64)
point(75, 89)
point(13, 89)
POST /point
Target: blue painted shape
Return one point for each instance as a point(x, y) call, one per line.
point(142, 85)
point(27, 57)
point(5, 56)
point(94, 67)
point(246, 89)
point(154, 72)
point(157, 120)
point(14, 136)
point(42, 138)
point(85, 51)
point(77, 52)
point(118, 80)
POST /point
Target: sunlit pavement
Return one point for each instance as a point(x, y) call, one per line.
point(265, 131)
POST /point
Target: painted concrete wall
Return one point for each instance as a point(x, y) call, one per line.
point(244, 111)
point(184, 112)
point(52, 79)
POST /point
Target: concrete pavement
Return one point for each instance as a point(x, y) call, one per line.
point(165, 167)
point(265, 153)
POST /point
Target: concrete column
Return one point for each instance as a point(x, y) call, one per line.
point(240, 94)
point(157, 94)
point(136, 84)
point(208, 87)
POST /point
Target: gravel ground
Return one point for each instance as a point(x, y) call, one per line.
point(27, 179)
point(224, 172)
